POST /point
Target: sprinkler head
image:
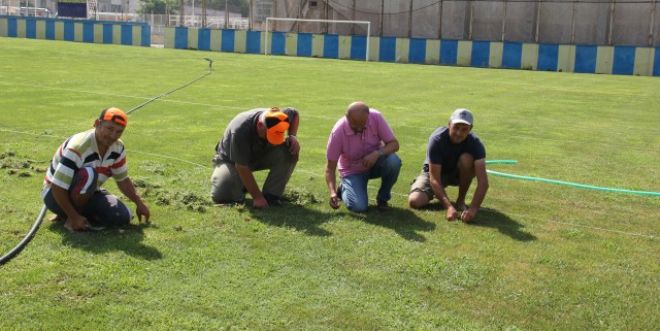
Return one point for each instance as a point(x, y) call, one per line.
point(210, 63)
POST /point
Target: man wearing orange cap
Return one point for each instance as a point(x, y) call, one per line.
point(254, 140)
point(78, 169)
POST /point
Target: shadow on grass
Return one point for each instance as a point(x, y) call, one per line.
point(127, 239)
point(293, 216)
point(403, 221)
point(492, 218)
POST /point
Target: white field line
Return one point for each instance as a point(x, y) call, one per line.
point(319, 176)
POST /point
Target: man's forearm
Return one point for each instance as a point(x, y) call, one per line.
point(479, 195)
point(331, 180)
point(61, 196)
point(247, 178)
point(128, 189)
point(440, 193)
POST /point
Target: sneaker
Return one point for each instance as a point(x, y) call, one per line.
point(382, 205)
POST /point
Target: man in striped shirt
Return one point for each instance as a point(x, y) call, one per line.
point(78, 169)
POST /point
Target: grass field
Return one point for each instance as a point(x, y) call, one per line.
point(538, 256)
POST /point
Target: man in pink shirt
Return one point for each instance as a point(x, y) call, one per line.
point(363, 145)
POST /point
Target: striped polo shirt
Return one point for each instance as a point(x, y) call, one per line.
point(80, 150)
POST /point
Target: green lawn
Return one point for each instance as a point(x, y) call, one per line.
point(539, 256)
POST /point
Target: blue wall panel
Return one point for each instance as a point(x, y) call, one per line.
point(50, 29)
point(278, 45)
point(480, 53)
point(656, 62)
point(12, 27)
point(387, 52)
point(107, 33)
point(126, 34)
point(331, 46)
point(417, 50)
point(88, 32)
point(228, 37)
point(69, 31)
point(180, 37)
point(204, 39)
point(358, 47)
point(253, 42)
point(624, 60)
point(31, 28)
point(586, 58)
point(548, 57)
point(512, 55)
point(304, 45)
point(448, 51)
point(145, 38)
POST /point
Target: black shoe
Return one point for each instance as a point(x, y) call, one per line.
point(273, 200)
point(382, 205)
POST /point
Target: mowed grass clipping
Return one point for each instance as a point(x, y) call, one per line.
point(538, 256)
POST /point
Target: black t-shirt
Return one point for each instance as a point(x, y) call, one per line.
point(445, 153)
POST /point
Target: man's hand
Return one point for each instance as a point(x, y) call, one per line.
point(260, 203)
point(370, 159)
point(141, 210)
point(294, 145)
point(452, 213)
point(76, 223)
point(469, 214)
point(334, 201)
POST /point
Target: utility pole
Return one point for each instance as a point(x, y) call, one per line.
point(226, 14)
point(652, 24)
point(203, 13)
point(610, 27)
point(182, 9)
point(410, 18)
point(382, 16)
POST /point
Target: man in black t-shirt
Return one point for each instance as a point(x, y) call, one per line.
point(454, 156)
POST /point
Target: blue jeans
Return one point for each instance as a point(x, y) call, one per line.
point(354, 187)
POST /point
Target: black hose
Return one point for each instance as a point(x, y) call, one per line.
point(174, 89)
point(12, 253)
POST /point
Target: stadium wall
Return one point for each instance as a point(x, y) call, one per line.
point(622, 60)
point(134, 34)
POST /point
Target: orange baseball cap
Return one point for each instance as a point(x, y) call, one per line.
point(114, 114)
point(277, 123)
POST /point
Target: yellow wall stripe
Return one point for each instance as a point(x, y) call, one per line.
point(604, 59)
point(402, 50)
point(432, 51)
point(240, 39)
point(495, 56)
point(644, 61)
point(317, 45)
point(216, 40)
point(41, 29)
point(345, 47)
point(374, 48)
point(464, 53)
point(530, 56)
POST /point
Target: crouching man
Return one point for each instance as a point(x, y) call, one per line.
point(79, 168)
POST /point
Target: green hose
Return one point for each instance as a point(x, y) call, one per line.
point(565, 183)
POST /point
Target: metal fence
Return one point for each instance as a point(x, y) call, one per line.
point(591, 22)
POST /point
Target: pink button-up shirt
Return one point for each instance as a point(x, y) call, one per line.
point(349, 147)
